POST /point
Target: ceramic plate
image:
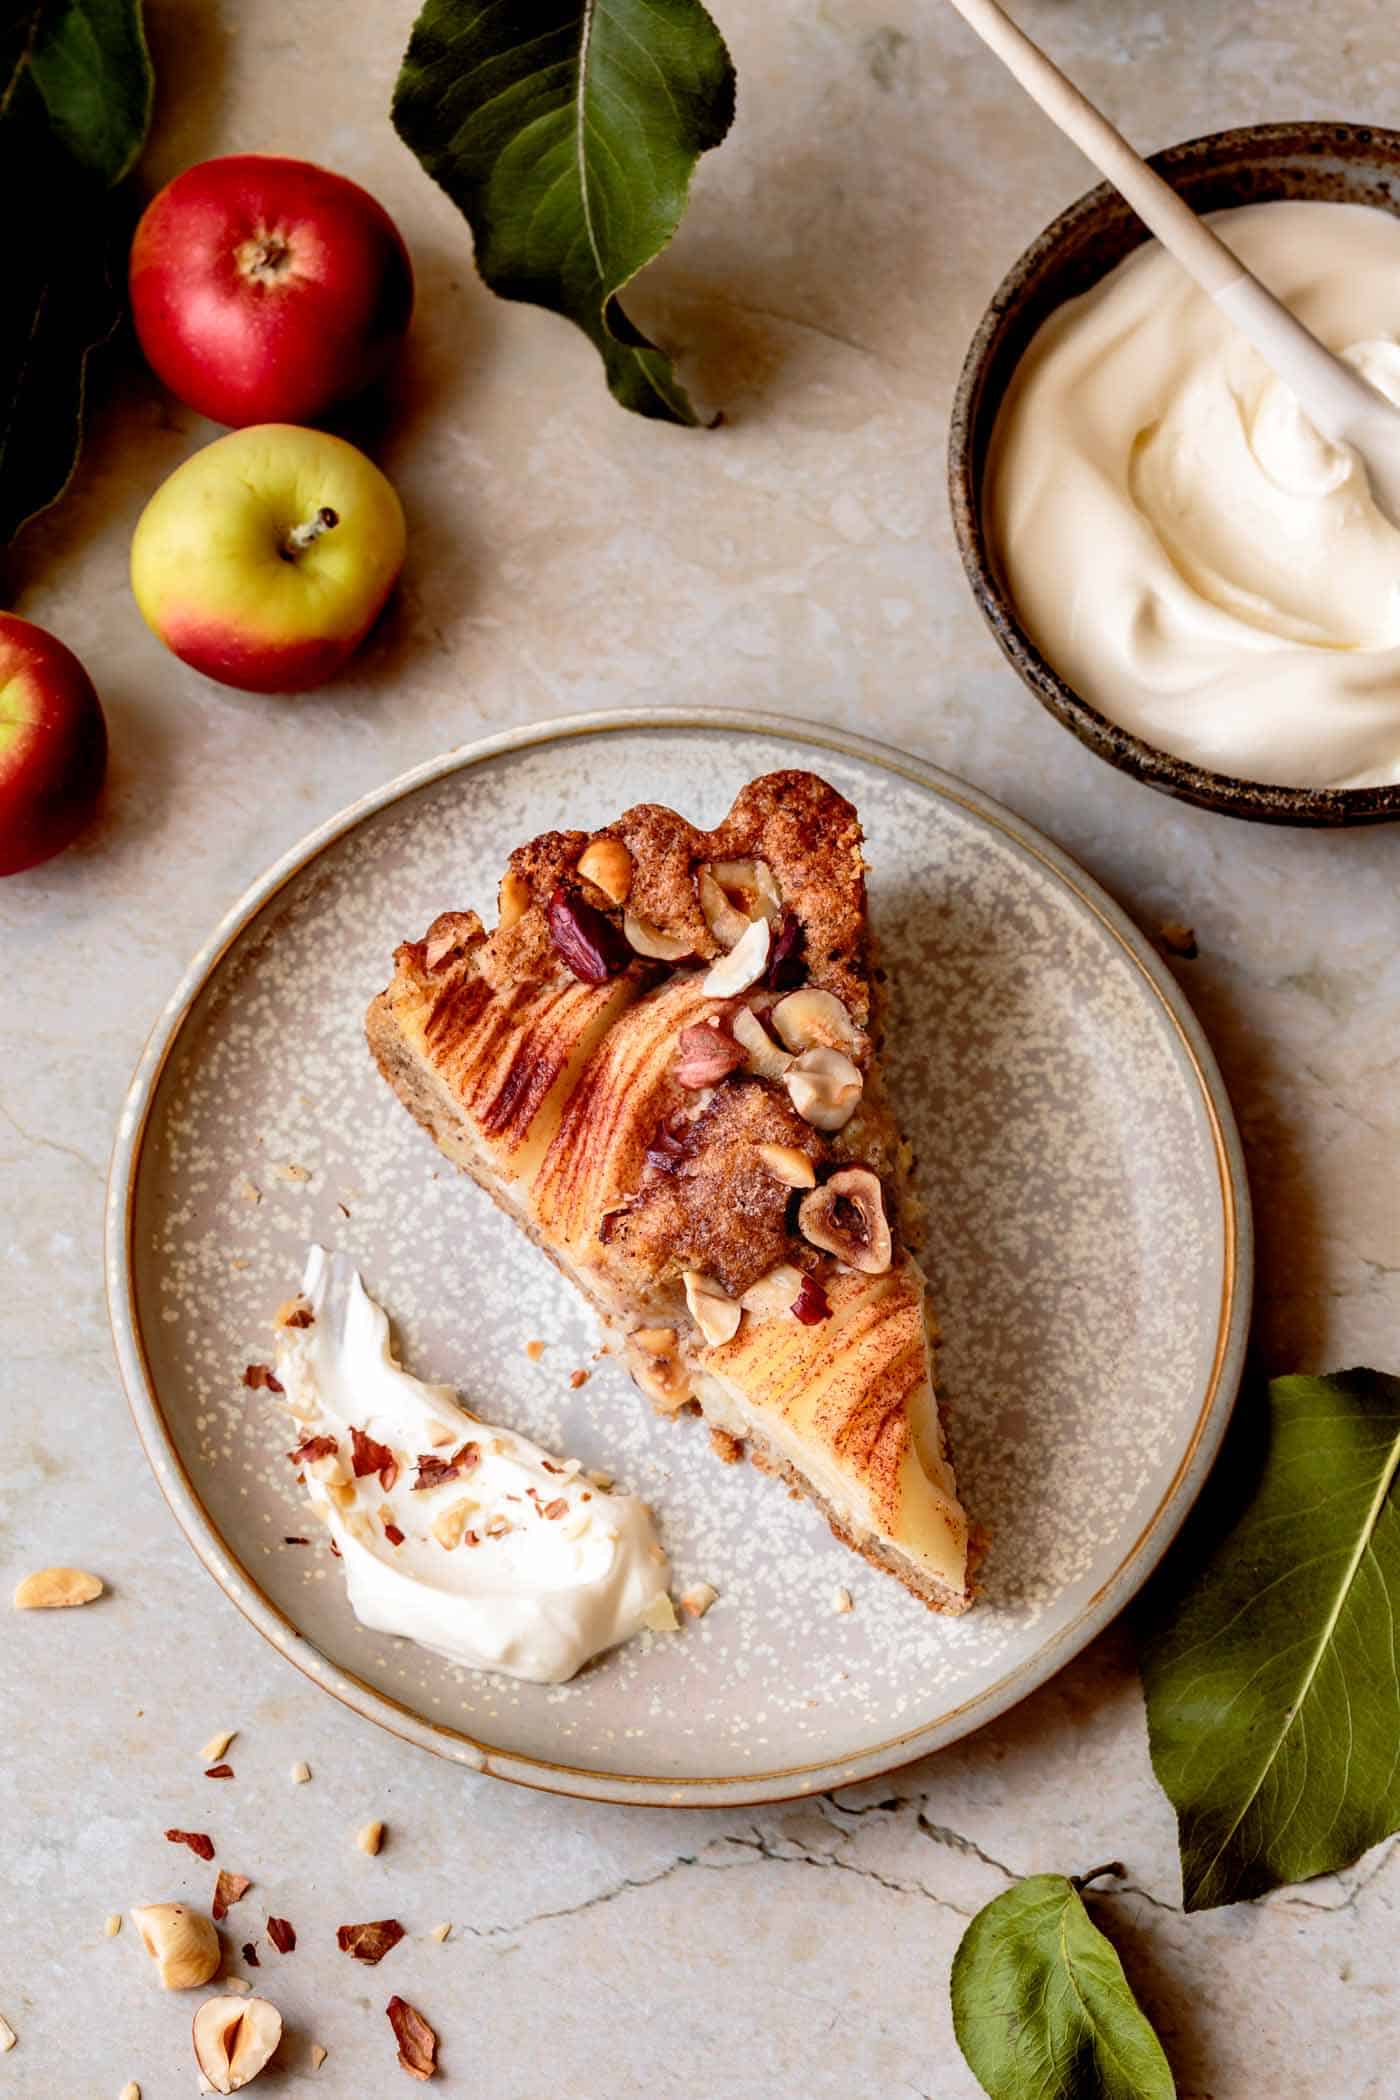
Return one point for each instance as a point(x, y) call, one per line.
point(1089, 1257)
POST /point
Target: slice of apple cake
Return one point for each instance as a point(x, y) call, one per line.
point(660, 1062)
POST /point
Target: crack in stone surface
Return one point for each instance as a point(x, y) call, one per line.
point(1358, 1888)
point(936, 1833)
point(48, 1144)
point(625, 1886)
point(939, 1834)
point(801, 1855)
point(718, 1857)
point(782, 1848)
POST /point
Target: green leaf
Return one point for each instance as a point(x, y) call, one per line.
point(1273, 1680)
point(89, 62)
point(75, 90)
point(1041, 2007)
point(566, 131)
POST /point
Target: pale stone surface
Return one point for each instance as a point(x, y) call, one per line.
point(841, 245)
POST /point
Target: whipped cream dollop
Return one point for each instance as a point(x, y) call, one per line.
point(1183, 546)
point(465, 1538)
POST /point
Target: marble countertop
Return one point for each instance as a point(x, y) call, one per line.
point(839, 250)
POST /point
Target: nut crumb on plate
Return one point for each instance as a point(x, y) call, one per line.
point(215, 1747)
point(112, 1925)
point(1178, 939)
point(318, 2056)
point(54, 1589)
point(8, 2037)
point(842, 1600)
point(660, 1615)
point(534, 1350)
point(696, 1601)
point(370, 1836)
point(440, 1932)
point(300, 1773)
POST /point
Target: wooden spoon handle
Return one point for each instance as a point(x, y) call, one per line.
point(1199, 251)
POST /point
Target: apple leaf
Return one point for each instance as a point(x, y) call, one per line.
point(1272, 1672)
point(89, 63)
point(566, 132)
point(1041, 2007)
point(75, 97)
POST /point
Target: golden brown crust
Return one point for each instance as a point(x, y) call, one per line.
point(808, 834)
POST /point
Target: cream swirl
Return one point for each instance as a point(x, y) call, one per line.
point(473, 1541)
point(1181, 543)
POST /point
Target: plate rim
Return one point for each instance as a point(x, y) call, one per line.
point(652, 1790)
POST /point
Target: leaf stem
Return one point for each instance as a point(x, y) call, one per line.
point(1114, 1868)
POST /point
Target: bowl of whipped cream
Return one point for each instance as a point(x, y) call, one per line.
point(1178, 564)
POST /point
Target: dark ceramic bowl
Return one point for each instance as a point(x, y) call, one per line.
point(1339, 163)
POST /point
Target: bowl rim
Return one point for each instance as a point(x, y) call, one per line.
point(1223, 793)
point(729, 1790)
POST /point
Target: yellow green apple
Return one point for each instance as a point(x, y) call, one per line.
point(266, 558)
point(53, 745)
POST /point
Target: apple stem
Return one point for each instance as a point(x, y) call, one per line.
point(303, 536)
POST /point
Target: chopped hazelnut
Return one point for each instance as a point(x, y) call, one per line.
point(607, 864)
point(56, 1589)
point(786, 1164)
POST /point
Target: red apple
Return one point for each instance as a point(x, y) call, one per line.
point(53, 745)
point(266, 290)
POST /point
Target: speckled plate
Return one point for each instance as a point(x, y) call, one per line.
point(1089, 1256)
